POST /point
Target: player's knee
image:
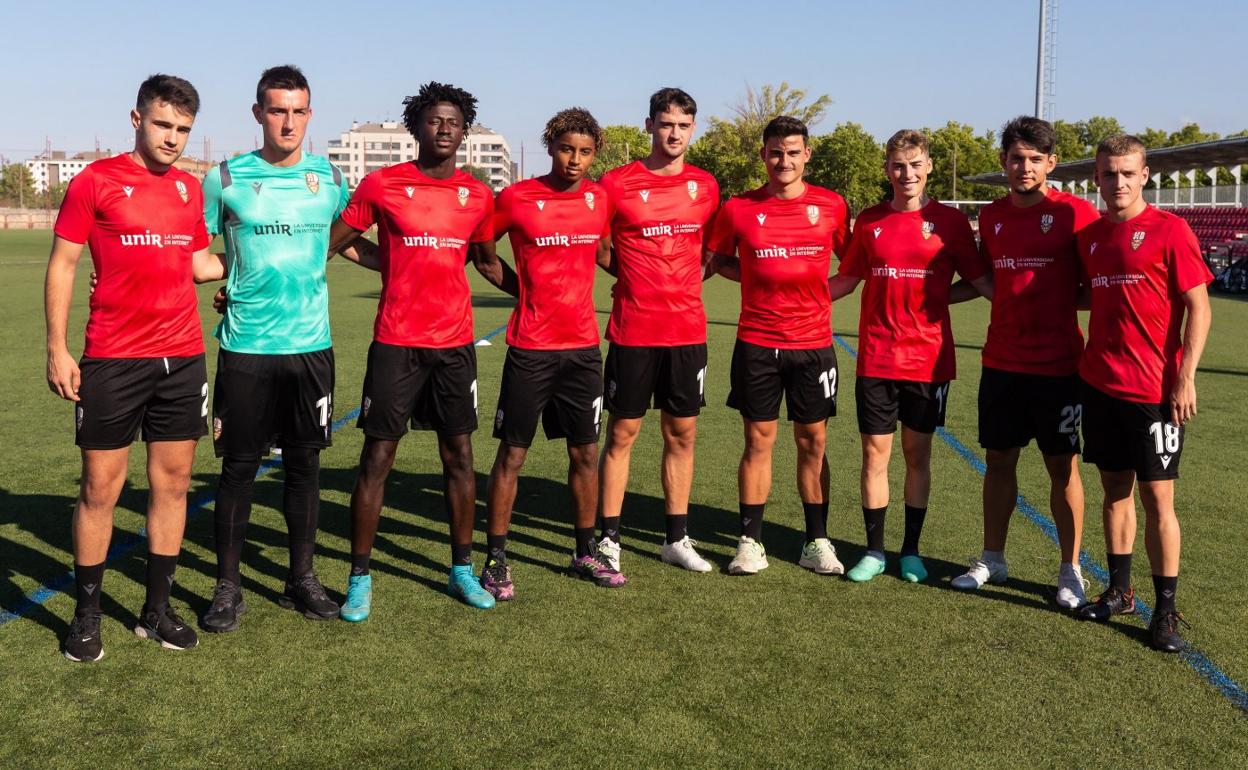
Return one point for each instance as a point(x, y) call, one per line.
point(622, 433)
point(376, 460)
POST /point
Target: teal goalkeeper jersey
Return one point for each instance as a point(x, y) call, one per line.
point(275, 221)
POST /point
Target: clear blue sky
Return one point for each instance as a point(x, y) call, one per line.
point(71, 68)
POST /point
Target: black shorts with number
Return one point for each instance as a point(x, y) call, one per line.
point(1015, 407)
point(672, 378)
point(1123, 435)
point(263, 401)
point(881, 402)
point(430, 388)
point(562, 387)
point(806, 378)
point(166, 397)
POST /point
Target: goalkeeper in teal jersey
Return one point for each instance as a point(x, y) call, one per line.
point(275, 370)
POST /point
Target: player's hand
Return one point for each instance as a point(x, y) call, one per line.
point(1183, 400)
point(95, 280)
point(63, 375)
point(219, 301)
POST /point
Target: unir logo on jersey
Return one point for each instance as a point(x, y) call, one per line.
point(589, 200)
point(928, 229)
point(692, 187)
point(182, 193)
point(1046, 223)
point(1137, 240)
point(812, 213)
point(462, 194)
point(313, 181)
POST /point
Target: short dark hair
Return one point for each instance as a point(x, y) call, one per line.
point(1118, 145)
point(284, 77)
point(668, 97)
point(171, 90)
point(432, 93)
point(785, 126)
point(1032, 132)
point(574, 120)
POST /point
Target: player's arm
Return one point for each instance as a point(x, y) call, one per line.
point(965, 290)
point(206, 266)
point(495, 270)
point(841, 285)
point(606, 255)
point(362, 252)
point(58, 288)
point(342, 236)
point(1195, 333)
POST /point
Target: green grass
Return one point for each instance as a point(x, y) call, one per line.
point(676, 669)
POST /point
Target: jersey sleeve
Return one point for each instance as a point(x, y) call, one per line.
point(214, 207)
point(76, 217)
point(502, 213)
point(1186, 265)
point(201, 239)
point(485, 228)
point(1085, 214)
point(360, 212)
point(723, 238)
point(344, 192)
point(854, 263)
point(966, 259)
point(841, 236)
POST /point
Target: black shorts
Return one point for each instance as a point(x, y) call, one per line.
point(166, 397)
point(806, 378)
point(263, 401)
point(563, 387)
point(1126, 436)
point(1015, 407)
point(881, 402)
point(674, 378)
point(430, 388)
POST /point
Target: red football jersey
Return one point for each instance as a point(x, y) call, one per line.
point(142, 229)
point(907, 260)
point(1034, 259)
point(1138, 271)
point(424, 226)
point(785, 248)
point(658, 230)
point(554, 238)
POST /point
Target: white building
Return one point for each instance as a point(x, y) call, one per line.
point(371, 146)
point(56, 170)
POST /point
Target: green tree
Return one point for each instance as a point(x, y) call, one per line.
point(17, 187)
point(1095, 129)
point(1190, 133)
point(958, 152)
point(1069, 145)
point(729, 148)
point(850, 161)
point(621, 144)
point(478, 173)
point(1154, 138)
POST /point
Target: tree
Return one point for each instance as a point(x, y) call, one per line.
point(17, 187)
point(479, 174)
point(850, 161)
point(621, 144)
point(729, 148)
point(956, 153)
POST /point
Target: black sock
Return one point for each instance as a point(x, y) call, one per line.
point(88, 584)
point(677, 527)
point(914, 529)
point(1119, 570)
point(1165, 588)
point(233, 511)
point(461, 553)
point(497, 547)
point(359, 564)
point(584, 541)
point(752, 520)
point(159, 580)
point(611, 527)
point(301, 504)
point(873, 519)
point(816, 520)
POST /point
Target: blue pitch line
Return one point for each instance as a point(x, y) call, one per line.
point(1190, 655)
point(58, 584)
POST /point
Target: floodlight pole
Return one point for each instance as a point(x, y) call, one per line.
point(1044, 10)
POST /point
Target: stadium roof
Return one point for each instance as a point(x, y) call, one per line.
point(1166, 160)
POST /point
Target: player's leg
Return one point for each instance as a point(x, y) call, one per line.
point(1066, 503)
point(878, 408)
point(630, 376)
point(587, 562)
point(1163, 541)
point(1118, 516)
point(103, 476)
point(916, 446)
point(460, 486)
point(757, 388)
point(500, 500)
point(169, 473)
point(680, 392)
point(1002, 434)
point(810, 379)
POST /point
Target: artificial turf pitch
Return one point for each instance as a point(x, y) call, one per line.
point(785, 668)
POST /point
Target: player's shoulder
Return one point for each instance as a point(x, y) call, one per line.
point(620, 174)
point(825, 196)
point(700, 175)
point(937, 210)
point(997, 208)
point(464, 179)
point(875, 213)
point(1071, 201)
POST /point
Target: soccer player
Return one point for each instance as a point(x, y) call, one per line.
point(778, 241)
point(554, 367)
point(275, 369)
point(906, 249)
point(422, 365)
point(143, 363)
point(657, 327)
point(1138, 374)
point(1029, 387)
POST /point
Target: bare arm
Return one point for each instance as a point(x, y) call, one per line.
point(341, 235)
point(842, 285)
point(726, 265)
point(58, 288)
point(206, 266)
point(495, 270)
point(606, 255)
point(965, 290)
point(362, 252)
point(1195, 333)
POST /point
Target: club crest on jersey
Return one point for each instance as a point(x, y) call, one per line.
point(611, 387)
point(127, 189)
point(462, 194)
point(645, 196)
point(182, 193)
point(541, 205)
point(78, 418)
point(692, 187)
point(313, 181)
point(498, 419)
point(761, 218)
point(366, 405)
point(409, 191)
point(589, 200)
point(1137, 240)
point(928, 229)
point(216, 428)
point(997, 227)
point(1046, 223)
point(876, 232)
point(812, 213)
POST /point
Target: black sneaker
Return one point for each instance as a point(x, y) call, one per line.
point(1113, 602)
point(227, 606)
point(307, 595)
point(166, 627)
point(1164, 631)
point(83, 643)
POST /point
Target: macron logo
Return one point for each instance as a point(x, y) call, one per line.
point(996, 228)
point(876, 232)
point(541, 205)
point(1165, 460)
point(145, 238)
point(127, 189)
point(409, 191)
point(761, 219)
point(645, 196)
point(655, 231)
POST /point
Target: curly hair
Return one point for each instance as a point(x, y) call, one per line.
point(432, 93)
point(575, 120)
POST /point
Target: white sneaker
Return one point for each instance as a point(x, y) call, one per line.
point(682, 554)
point(819, 556)
point(981, 572)
point(1070, 588)
point(750, 558)
point(609, 553)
